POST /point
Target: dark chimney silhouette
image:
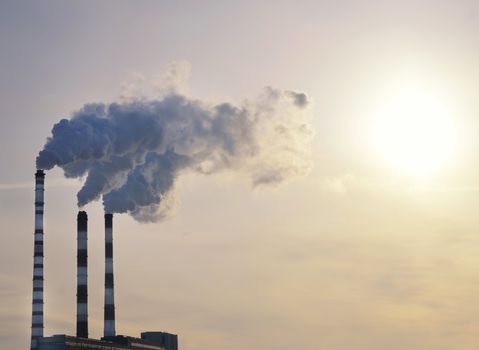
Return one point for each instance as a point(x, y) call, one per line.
point(82, 274)
point(109, 314)
point(37, 303)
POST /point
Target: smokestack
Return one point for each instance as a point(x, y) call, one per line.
point(109, 326)
point(37, 304)
point(82, 274)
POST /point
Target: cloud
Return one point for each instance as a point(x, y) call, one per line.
point(54, 182)
point(341, 185)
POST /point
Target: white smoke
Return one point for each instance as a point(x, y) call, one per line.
point(132, 152)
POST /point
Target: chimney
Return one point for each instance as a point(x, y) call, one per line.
point(82, 274)
point(37, 304)
point(109, 315)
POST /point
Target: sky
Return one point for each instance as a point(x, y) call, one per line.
point(376, 247)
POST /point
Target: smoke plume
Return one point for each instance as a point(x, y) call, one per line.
point(131, 153)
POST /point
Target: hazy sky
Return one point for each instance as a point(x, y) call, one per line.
point(361, 254)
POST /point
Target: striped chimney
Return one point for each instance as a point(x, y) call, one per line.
point(109, 326)
point(37, 304)
point(82, 274)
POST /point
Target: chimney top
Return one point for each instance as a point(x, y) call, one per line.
point(39, 173)
point(82, 215)
point(108, 219)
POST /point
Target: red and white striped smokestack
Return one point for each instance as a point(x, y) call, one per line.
point(37, 304)
point(82, 274)
point(109, 315)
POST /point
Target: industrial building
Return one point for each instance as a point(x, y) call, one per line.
point(110, 340)
point(148, 340)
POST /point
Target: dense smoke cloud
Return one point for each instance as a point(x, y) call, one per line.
point(131, 153)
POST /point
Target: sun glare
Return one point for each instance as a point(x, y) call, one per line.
point(415, 132)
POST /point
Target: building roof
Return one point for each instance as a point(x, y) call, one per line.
point(66, 342)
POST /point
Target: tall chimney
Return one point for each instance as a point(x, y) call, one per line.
point(37, 304)
point(82, 274)
point(109, 326)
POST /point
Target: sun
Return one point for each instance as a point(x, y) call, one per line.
point(415, 132)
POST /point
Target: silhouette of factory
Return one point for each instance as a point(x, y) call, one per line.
point(110, 340)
